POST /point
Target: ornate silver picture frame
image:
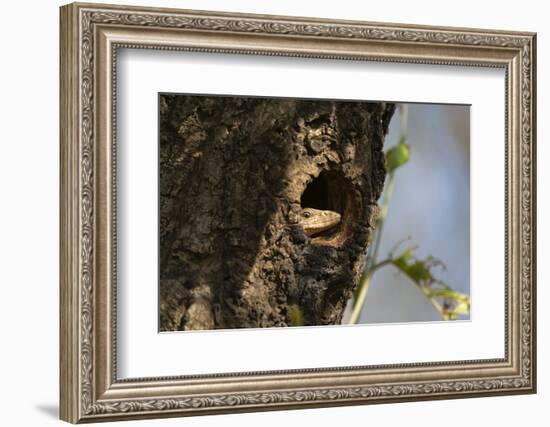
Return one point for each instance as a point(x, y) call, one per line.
point(91, 36)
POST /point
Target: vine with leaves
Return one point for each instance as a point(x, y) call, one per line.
point(448, 302)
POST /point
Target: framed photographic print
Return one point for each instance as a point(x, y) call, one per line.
point(266, 212)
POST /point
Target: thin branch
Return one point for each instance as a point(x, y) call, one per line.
point(381, 264)
point(372, 266)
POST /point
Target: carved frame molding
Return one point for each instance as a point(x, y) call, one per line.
point(90, 35)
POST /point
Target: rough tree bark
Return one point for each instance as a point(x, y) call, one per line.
point(234, 174)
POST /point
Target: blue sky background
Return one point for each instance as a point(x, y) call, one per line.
point(431, 206)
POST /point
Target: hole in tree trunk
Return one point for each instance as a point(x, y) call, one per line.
point(332, 191)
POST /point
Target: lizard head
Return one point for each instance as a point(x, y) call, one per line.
point(315, 220)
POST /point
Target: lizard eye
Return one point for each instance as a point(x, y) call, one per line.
point(306, 214)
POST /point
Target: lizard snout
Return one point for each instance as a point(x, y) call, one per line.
point(316, 220)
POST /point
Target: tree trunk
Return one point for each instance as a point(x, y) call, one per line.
point(235, 173)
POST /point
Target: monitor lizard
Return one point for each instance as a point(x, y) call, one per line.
point(315, 220)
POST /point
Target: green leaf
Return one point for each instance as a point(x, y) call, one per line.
point(296, 315)
point(397, 156)
point(417, 271)
point(402, 261)
point(420, 272)
point(449, 294)
point(461, 308)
